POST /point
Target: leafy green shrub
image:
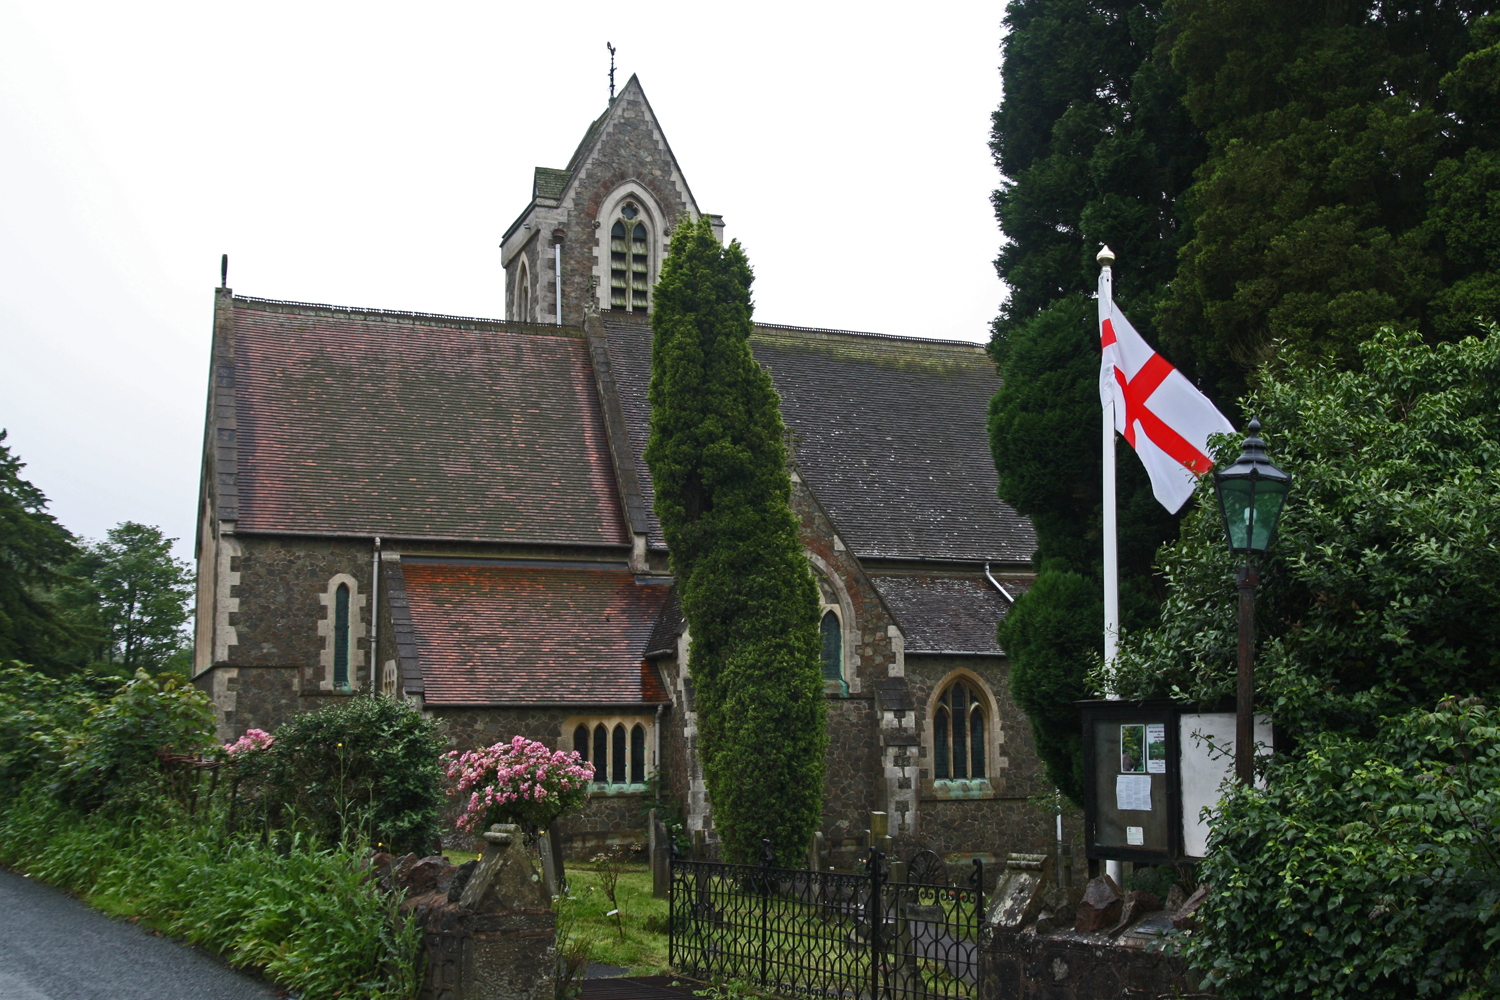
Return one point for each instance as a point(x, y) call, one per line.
point(1367, 868)
point(113, 758)
point(38, 715)
point(367, 768)
point(306, 916)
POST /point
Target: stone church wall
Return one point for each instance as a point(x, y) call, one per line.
point(280, 662)
point(1003, 820)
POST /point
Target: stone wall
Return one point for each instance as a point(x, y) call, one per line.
point(257, 698)
point(997, 821)
point(281, 661)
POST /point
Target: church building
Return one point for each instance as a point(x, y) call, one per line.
point(457, 512)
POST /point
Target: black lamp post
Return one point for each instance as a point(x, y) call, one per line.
point(1251, 493)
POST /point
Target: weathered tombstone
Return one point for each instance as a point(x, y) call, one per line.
point(512, 929)
point(1175, 898)
point(554, 835)
point(1022, 889)
point(659, 843)
point(815, 852)
point(1186, 917)
point(551, 868)
point(879, 832)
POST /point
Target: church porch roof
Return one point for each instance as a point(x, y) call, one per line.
point(947, 614)
point(490, 633)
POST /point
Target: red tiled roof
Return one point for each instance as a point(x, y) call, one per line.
point(495, 634)
point(412, 426)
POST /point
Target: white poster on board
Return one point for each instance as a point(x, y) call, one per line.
point(1207, 745)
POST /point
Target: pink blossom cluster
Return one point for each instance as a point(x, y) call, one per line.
point(520, 780)
point(254, 739)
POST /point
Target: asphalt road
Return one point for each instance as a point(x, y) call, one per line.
point(53, 947)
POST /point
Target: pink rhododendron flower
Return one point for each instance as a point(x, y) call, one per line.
point(517, 782)
point(254, 739)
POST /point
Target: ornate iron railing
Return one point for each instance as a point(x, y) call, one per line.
point(855, 936)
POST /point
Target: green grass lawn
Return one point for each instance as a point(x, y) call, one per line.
point(628, 943)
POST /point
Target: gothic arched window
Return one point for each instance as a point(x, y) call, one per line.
point(616, 749)
point(958, 734)
point(629, 262)
point(638, 755)
point(833, 647)
point(341, 637)
point(617, 772)
point(601, 753)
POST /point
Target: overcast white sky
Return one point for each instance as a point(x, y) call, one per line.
point(373, 154)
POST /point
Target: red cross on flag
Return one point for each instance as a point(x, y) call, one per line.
point(1163, 416)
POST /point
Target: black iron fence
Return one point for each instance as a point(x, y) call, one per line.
point(856, 936)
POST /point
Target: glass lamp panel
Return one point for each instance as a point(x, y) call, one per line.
point(1235, 500)
point(1269, 496)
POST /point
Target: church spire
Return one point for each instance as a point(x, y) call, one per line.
point(611, 47)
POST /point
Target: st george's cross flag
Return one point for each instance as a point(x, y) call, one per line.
point(1164, 417)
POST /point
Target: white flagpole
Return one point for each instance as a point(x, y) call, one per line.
point(1106, 257)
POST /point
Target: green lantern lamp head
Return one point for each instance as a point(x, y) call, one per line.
point(1251, 493)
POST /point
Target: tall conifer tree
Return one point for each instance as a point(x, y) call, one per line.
point(718, 459)
point(1350, 183)
point(1094, 146)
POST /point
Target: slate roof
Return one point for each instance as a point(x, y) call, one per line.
point(413, 426)
point(947, 614)
point(891, 436)
point(550, 184)
point(669, 626)
point(489, 633)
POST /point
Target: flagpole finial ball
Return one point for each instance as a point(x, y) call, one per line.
point(1105, 257)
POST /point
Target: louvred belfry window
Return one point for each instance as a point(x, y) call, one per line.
point(629, 263)
point(958, 735)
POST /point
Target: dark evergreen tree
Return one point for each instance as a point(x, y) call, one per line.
point(1094, 146)
point(33, 550)
point(1350, 182)
point(718, 460)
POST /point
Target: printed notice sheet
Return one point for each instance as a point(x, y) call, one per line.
point(1156, 748)
point(1133, 791)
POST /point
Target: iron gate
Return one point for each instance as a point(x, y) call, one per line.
point(855, 936)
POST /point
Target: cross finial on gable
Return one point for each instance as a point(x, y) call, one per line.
point(611, 47)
